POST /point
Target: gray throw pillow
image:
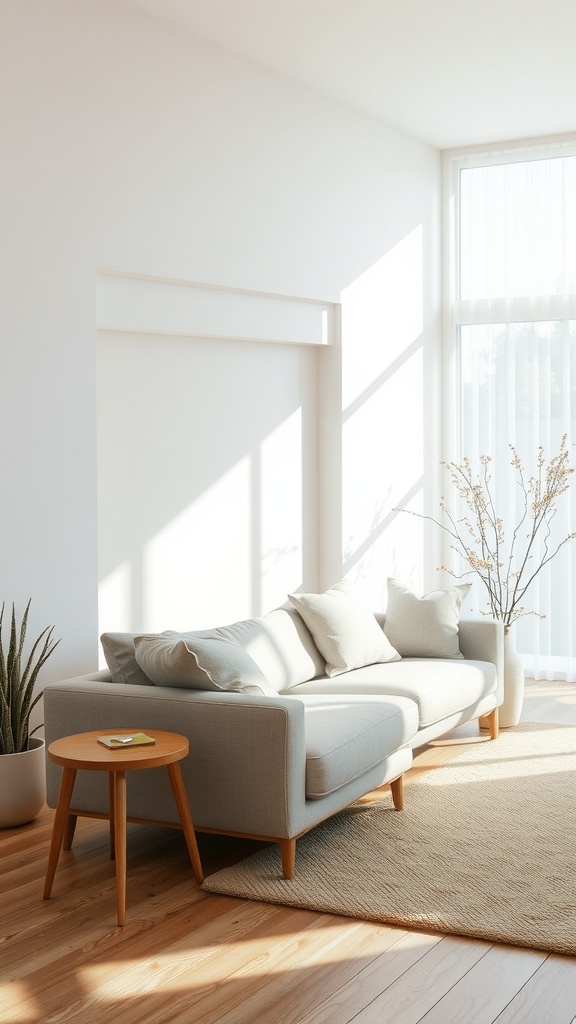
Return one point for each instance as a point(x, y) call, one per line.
point(177, 659)
point(121, 659)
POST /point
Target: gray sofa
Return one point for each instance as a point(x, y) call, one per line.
point(277, 744)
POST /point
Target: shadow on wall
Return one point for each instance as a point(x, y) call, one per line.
point(223, 464)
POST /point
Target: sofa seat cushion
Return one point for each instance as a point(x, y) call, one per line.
point(345, 738)
point(440, 687)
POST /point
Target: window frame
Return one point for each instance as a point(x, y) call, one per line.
point(457, 312)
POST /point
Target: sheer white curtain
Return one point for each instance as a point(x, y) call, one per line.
point(512, 332)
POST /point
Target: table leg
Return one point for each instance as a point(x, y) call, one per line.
point(59, 826)
point(120, 842)
point(69, 831)
point(181, 799)
point(111, 815)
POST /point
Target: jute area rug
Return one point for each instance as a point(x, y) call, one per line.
point(485, 847)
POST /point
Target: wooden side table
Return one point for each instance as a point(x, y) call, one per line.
point(83, 751)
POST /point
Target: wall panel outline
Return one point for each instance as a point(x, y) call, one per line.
point(139, 303)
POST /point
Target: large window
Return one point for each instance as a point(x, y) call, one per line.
point(511, 337)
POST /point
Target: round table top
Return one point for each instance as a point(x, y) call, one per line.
point(84, 751)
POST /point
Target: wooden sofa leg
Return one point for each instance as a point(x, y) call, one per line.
point(491, 723)
point(288, 854)
point(397, 787)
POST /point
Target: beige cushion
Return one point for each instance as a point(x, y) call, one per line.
point(345, 630)
point(174, 659)
point(424, 627)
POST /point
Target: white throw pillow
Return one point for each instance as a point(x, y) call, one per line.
point(345, 630)
point(424, 627)
point(177, 659)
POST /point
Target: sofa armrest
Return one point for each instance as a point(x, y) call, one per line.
point(483, 640)
point(245, 771)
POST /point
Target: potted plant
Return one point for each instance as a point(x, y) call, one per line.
point(22, 765)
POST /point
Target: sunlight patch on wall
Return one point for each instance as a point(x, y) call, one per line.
point(210, 542)
point(115, 603)
point(382, 316)
point(281, 511)
point(383, 420)
point(235, 550)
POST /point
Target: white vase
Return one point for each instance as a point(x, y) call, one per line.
point(511, 709)
point(22, 785)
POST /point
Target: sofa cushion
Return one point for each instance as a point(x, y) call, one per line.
point(424, 627)
point(345, 630)
point(281, 645)
point(170, 659)
point(345, 739)
point(440, 687)
point(121, 659)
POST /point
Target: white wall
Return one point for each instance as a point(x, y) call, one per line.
point(207, 479)
point(128, 147)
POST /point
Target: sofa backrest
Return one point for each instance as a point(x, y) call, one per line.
point(279, 642)
point(281, 645)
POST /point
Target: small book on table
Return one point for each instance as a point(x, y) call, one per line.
point(121, 740)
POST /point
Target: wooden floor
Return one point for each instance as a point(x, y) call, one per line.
point(190, 957)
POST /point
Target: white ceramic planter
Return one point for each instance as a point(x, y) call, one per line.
point(22, 785)
point(511, 709)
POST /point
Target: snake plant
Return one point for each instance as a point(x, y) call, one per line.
point(17, 678)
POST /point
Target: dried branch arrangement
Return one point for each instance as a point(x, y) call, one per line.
point(506, 565)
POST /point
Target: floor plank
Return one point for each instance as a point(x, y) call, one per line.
point(549, 996)
point(350, 1000)
point(485, 990)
